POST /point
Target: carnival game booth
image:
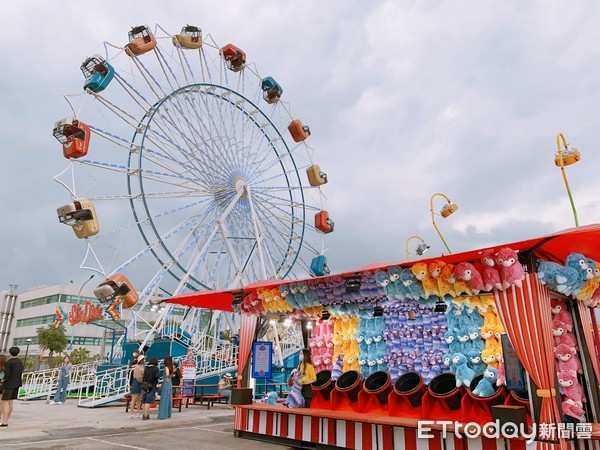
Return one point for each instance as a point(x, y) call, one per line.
point(505, 334)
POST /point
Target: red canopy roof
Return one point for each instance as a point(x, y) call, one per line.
point(553, 247)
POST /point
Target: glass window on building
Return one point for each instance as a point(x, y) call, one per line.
point(39, 301)
point(40, 320)
point(23, 341)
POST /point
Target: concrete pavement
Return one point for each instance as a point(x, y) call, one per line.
point(37, 421)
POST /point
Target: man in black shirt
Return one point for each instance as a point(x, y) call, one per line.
point(13, 373)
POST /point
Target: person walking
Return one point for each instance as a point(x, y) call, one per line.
point(308, 376)
point(166, 391)
point(225, 386)
point(2, 364)
point(151, 376)
point(137, 376)
point(13, 374)
point(63, 382)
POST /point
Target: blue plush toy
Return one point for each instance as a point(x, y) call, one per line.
point(475, 337)
point(551, 274)
point(485, 387)
point(414, 286)
point(463, 342)
point(447, 362)
point(272, 398)
point(384, 281)
point(578, 262)
point(311, 297)
point(464, 374)
point(475, 362)
point(338, 367)
point(394, 275)
point(450, 339)
point(294, 398)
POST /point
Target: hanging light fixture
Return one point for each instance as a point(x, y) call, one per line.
point(420, 249)
point(325, 314)
point(353, 283)
point(378, 310)
point(412, 315)
point(565, 157)
point(440, 306)
point(448, 209)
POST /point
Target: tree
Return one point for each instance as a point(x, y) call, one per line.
point(80, 355)
point(52, 339)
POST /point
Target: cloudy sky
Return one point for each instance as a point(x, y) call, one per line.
point(404, 99)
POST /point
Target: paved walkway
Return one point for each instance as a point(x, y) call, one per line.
point(36, 420)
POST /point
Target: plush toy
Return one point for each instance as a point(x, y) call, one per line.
point(475, 362)
point(394, 273)
point(459, 287)
point(567, 380)
point(566, 318)
point(450, 339)
point(311, 297)
point(487, 334)
point(511, 270)
point(413, 286)
point(578, 262)
point(327, 361)
point(463, 341)
point(466, 272)
point(485, 387)
point(491, 275)
point(464, 374)
point(489, 317)
point(488, 356)
point(338, 367)
point(447, 362)
point(294, 398)
point(555, 276)
point(567, 358)
point(572, 409)
point(477, 342)
point(557, 306)
point(501, 376)
point(430, 285)
point(383, 280)
point(444, 287)
point(562, 336)
point(499, 330)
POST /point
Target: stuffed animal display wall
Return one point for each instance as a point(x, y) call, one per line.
point(414, 340)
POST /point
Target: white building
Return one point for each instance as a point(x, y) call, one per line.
point(21, 314)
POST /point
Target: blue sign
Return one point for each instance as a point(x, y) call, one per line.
point(515, 372)
point(262, 359)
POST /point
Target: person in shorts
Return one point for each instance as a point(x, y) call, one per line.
point(151, 376)
point(13, 374)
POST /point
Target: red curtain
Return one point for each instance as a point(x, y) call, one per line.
point(247, 330)
point(588, 331)
point(526, 316)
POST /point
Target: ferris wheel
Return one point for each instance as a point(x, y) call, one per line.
point(187, 171)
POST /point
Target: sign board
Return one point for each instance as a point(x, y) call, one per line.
point(515, 372)
point(262, 359)
point(188, 374)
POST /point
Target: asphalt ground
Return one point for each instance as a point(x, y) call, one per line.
point(37, 425)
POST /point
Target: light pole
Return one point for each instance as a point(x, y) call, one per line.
point(565, 157)
point(446, 210)
point(28, 341)
point(78, 299)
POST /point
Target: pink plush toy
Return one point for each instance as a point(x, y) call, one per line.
point(491, 276)
point(467, 272)
point(501, 376)
point(557, 306)
point(572, 409)
point(565, 317)
point(565, 337)
point(511, 270)
point(567, 358)
point(327, 363)
point(567, 380)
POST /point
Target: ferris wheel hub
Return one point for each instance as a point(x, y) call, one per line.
point(241, 186)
